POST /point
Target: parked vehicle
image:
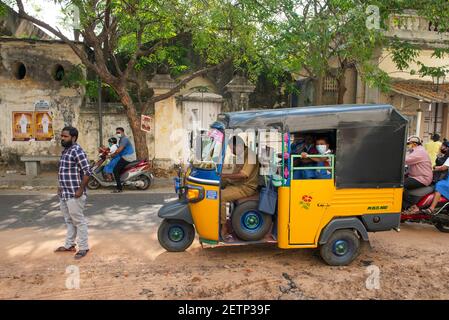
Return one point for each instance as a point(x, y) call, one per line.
point(363, 192)
point(136, 174)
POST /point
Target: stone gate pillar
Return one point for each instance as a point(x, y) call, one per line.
point(239, 89)
point(167, 119)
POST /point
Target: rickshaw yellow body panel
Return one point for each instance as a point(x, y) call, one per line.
point(307, 206)
point(205, 212)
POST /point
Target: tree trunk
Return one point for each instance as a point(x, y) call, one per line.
point(341, 81)
point(140, 137)
point(318, 91)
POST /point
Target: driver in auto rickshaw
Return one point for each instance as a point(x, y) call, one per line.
point(242, 184)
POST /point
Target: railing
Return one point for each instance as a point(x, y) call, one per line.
point(411, 22)
point(331, 167)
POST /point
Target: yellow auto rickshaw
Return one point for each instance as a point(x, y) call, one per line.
point(360, 192)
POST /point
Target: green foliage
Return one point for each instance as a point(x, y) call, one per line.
point(314, 34)
point(75, 77)
point(3, 9)
point(435, 72)
point(403, 53)
point(189, 34)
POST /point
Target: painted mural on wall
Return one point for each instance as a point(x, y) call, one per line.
point(32, 126)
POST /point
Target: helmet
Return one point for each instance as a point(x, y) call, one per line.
point(414, 139)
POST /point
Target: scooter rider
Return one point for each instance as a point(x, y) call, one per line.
point(127, 155)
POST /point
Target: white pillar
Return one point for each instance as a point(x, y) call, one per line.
point(418, 122)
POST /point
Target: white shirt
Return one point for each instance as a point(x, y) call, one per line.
point(113, 149)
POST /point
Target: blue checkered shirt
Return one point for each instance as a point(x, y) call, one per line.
point(73, 165)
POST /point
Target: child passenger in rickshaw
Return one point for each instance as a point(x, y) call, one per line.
point(303, 145)
point(321, 146)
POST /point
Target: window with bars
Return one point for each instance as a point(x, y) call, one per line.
point(330, 84)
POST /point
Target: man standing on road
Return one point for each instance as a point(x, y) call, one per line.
point(127, 155)
point(74, 173)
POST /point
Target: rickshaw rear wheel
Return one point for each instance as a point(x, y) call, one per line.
point(175, 235)
point(341, 248)
point(249, 223)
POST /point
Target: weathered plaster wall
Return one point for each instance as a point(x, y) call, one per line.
point(425, 56)
point(113, 117)
point(167, 131)
point(40, 59)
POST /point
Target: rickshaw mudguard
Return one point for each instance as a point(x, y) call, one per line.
point(176, 210)
point(343, 223)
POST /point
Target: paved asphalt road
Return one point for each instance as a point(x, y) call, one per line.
point(126, 211)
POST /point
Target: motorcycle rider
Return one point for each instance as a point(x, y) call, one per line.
point(127, 155)
point(419, 171)
point(441, 159)
point(442, 188)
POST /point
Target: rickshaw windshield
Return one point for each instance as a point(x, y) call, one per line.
point(211, 147)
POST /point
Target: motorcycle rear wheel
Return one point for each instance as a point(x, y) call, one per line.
point(93, 184)
point(443, 227)
point(147, 182)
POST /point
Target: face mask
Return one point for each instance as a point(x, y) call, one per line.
point(119, 135)
point(321, 149)
point(67, 144)
point(110, 144)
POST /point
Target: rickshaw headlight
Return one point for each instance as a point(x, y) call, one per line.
point(194, 193)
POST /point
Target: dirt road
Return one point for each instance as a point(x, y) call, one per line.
point(123, 264)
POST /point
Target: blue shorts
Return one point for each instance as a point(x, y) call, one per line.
point(109, 168)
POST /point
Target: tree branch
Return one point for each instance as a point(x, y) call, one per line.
point(81, 54)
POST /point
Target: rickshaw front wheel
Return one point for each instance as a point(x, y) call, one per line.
point(175, 235)
point(341, 248)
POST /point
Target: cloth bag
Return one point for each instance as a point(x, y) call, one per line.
point(268, 198)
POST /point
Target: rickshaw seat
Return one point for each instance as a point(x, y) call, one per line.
point(254, 197)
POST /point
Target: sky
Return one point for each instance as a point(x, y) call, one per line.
point(49, 12)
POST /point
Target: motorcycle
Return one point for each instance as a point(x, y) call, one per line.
point(423, 198)
point(136, 174)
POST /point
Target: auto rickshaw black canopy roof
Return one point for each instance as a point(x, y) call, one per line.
point(370, 139)
point(313, 118)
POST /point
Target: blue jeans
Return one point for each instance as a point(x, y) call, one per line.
point(305, 173)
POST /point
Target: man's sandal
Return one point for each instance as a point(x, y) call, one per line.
point(81, 253)
point(428, 211)
point(64, 249)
